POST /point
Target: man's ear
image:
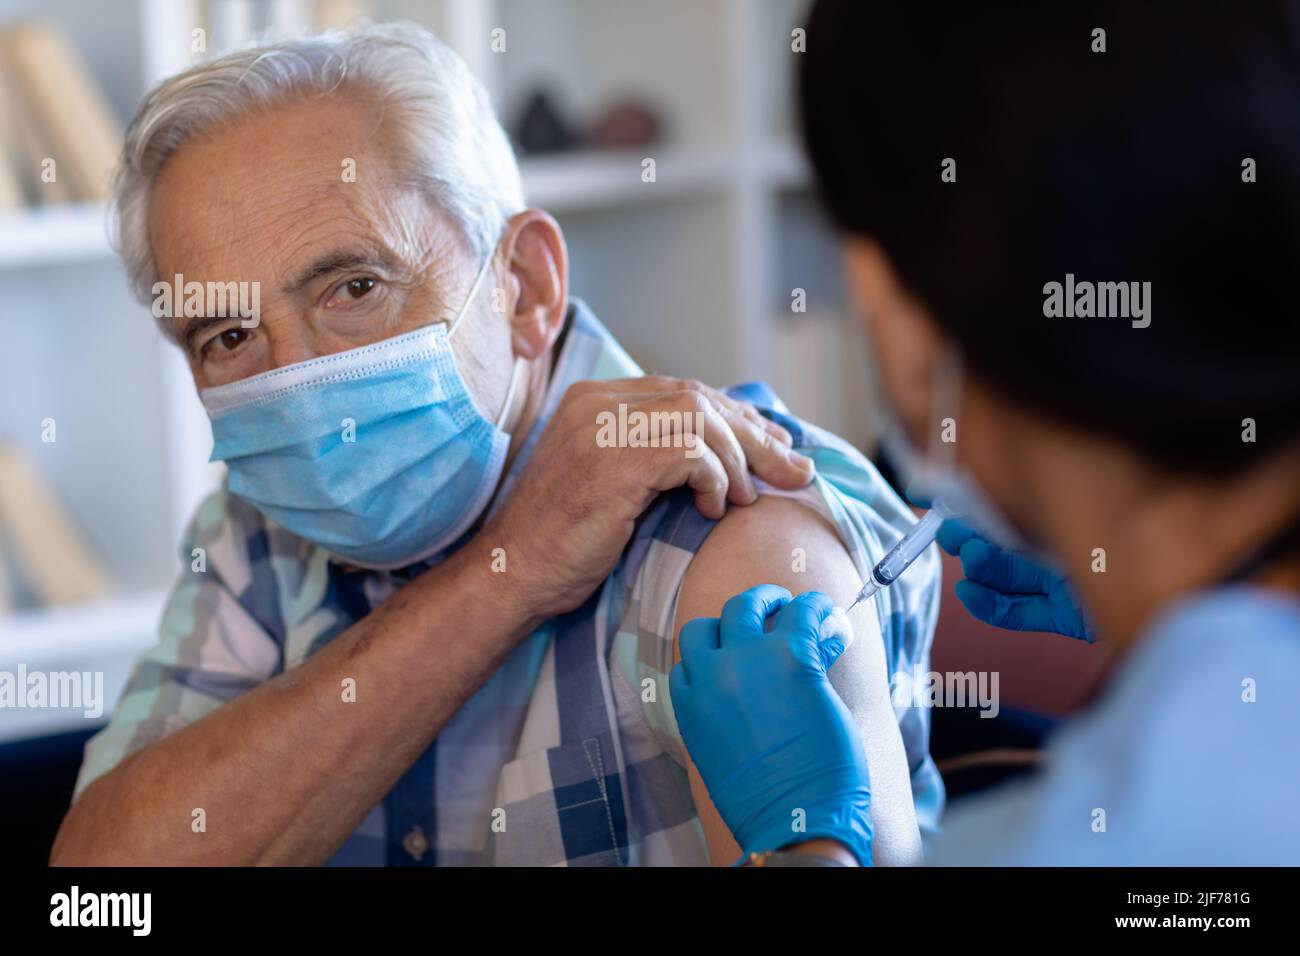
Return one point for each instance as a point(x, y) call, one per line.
point(905, 340)
point(538, 275)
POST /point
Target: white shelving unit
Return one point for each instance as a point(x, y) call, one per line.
point(693, 272)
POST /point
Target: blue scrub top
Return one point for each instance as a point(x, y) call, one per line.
point(1190, 757)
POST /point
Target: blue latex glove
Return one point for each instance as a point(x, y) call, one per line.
point(767, 732)
point(1009, 590)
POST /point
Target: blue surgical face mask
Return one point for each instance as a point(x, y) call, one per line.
point(378, 454)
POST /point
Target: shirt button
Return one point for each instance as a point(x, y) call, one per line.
point(415, 843)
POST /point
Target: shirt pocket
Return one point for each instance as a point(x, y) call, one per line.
point(562, 806)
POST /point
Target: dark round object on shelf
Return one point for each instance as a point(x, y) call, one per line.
point(542, 127)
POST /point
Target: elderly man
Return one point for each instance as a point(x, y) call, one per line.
point(430, 616)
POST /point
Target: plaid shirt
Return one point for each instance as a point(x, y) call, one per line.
point(569, 754)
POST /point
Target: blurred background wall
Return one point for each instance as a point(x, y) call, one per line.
point(721, 268)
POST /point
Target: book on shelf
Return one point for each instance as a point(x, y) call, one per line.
point(16, 158)
point(44, 559)
point(52, 109)
point(61, 138)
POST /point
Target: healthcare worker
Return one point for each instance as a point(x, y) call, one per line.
point(1074, 239)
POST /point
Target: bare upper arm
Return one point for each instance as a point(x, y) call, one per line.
point(756, 545)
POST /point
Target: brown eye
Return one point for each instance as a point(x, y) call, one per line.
point(231, 339)
point(359, 287)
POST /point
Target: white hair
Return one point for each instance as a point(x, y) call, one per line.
point(452, 146)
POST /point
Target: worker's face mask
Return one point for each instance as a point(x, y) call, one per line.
point(378, 454)
point(936, 476)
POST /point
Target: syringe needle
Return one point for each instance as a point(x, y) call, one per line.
point(868, 589)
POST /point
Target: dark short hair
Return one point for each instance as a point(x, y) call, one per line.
point(1125, 165)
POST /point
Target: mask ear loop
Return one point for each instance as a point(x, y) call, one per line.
point(945, 393)
point(510, 392)
point(455, 324)
point(473, 291)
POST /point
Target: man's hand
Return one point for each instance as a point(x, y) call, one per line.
point(574, 509)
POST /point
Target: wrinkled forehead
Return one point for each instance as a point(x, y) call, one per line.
point(260, 197)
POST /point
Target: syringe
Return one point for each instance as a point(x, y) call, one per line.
point(900, 557)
